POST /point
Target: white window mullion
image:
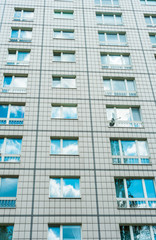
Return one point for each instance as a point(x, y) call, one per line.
point(131, 116)
point(13, 81)
point(8, 116)
point(111, 83)
point(152, 234)
point(61, 232)
point(3, 151)
point(61, 56)
point(61, 108)
point(137, 148)
point(105, 36)
point(16, 56)
point(114, 19)
point(19, 34)
point(108, 60)
point(126, 192)
point(125, 81)
point(145, 193)
point(121, 153)
point(22, 14)
point(103, 21)
point(118, 37)
point(151, 20)
point(122, 61)
point(131, 232)
point(62, 187)
point(61, 141)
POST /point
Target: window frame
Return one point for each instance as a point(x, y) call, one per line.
point(21, 18)
point(19, 39)
point(8, 119)
point(61, 184)
point(152, 34)
point(16, 62)
point(109, 5)
point(61, 110)
point(114, 18)
point(151, 19)
point(112, 66)
point(145, 2)
point(20, 90)
point(61, 33)
point(62, 54)
point(61, 147)
point(9, 225)
point(61, 16)
point(61, 79)
point(122, 156)
point(112, 91)
point(107, 43)
point(61, 228)
point(128, 199)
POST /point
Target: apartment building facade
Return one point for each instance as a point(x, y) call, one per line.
point(77, 119)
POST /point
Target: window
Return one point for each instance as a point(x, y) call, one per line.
point(64, 146)
point(64, 34)
point(64, 188)
point(119, 87)
point(109, 19)
point(10, 149)
point(21, 35)
point(142, 232)
point(8, 192)
point(14, 84)
point(63, 14)
point(16, 57)
point(64, 82)
point(106, 38)
point(65, 232)
point(150, 20)
point(135, 193)
point(153, 39)
point(64, 56)
point(11, 114)
point(129, 152)
point(148, 2)
point(64, 111)
point(107, 2)
point(116, 61)
point(23, 15)
point(6, 232)
point(125, 117)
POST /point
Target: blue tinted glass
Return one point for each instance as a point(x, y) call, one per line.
point(120, 190)
point(55, 187)
point(154, 232)
point(55, 146)
point(14, 34)
point(129, 148)
point(17, 14)
point(125, 233)
point(150, 189)
point(23, 56)
point(99, 18)
point(3, 111)
point(141, 233)
point(70, 112)
point(115, 147)
point(70, 146)
point(135, 188)
point(71, 188)
point(13, 146)
point(71, 233)
point(1, 144)
point(8, 187)
point(153, 39)
point(7, 81)
point(122, 38)
point(54, 233)
point(101, 37)
point(104, 59)
point(148, 20)
point(56, 112)
point(6, 232)
point(17, 112)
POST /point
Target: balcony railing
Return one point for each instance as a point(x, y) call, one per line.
point(11, 121)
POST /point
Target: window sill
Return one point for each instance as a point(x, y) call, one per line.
point(126, 127)
point(112, 6)
point(62, 62)
point(63, 38)
point(135, 208)
point(19, 64)
point(19, 41)
point(116, 45)
point(77, 155)
point(131, 164)
point(10, 162)
point(112, 95)
point(117, 68)
point(64, 119)
point(63, 18)
point(110, 24)
point(23, 20)
point(64, 198)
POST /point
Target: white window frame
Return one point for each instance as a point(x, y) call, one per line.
point(61, 228)
point(121, 123)
point(145, 199)
point(61, 146)
point(61, 110)
point(122, 66)
point(118, 43)
point(61, 15)
point(138, 156)
point(12, 89)
point(62, 178)
point(61, 79)
point(151, 34)
point(8, 119)
point(120, 93)
point(61, 34)
point(18, 62)
point(62, 53)
point(131, 230)
point(146, 3)
point(19, 39)
point(151, 19)
point(103, 5)
point(3, 155)
point(114, 19)
point(21, 18)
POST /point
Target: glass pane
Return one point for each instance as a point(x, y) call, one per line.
point(112, 37)
point(68, 57)
point(6, 232)
point(17, 111)
point(54, 233)
point(1, 144)
point(153, 39)
point(122, 38)
point(108, 19)
point(150, 189)
point(12, 57)
point(3, 111)
point(119, 85)
point(125, 233)
point(99, 18)
point(142, 146)
point(67, 14)
point(7, 81)
point(13, 146)
point(126, 60)
point(70, 146)
point(55, 187)
point(118, 19)
point(115, 148)
point(55, 146)
point(68, 83)
point(131, 85)
point(20, 82)
point(104, 60)
point(71, 233)
point(116, 3)
point(154, 20)
point(154, 231)
point(28, 15)
point(101, 37)
point(56, 82)
point(110, 113)
point(148, 20)
point(26, 34)
point(115, 60)
point(97, 1)
point(120, 190)
point(8, 187)
point(106, 2)
point(129, 148)
point(135, 188)
point(68, 35)
point(14, 34)
point(141, 233)
point(23, 56)
point(57, 34)
point(56, 112)
point(123, 114)
point(136, 114)
point(71, 188)
point(17, 14)
point(70, 112)
point(107, 85)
